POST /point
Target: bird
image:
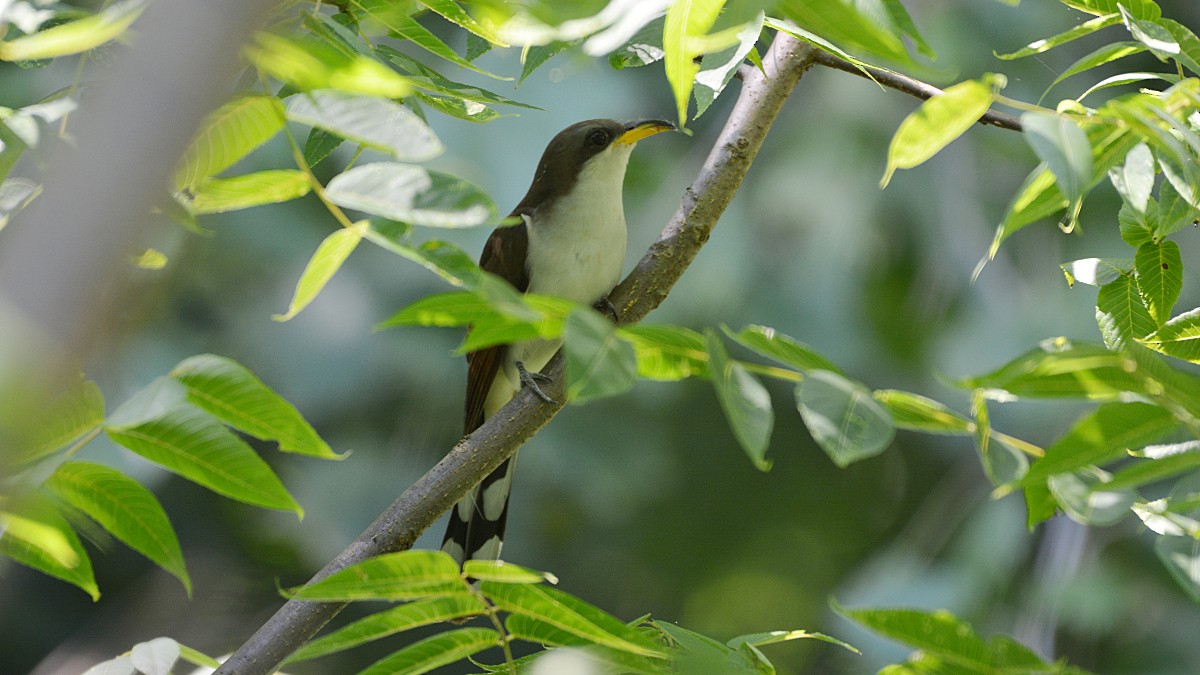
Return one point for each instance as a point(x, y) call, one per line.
point(569, 241)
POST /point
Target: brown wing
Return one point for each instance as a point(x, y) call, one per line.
point(503, 255)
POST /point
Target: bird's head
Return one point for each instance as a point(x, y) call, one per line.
point(591, 150)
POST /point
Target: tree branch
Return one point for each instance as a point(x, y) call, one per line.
point(909, 86)
point(476, 455)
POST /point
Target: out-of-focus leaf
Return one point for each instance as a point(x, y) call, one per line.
point(74, 412)
point(406, 575)
point(405, 27)
point(37, 536)
point(1105, 54)
point(1060, 368)
point(938, 121)
point(1085, 497)
point(1096, 271)
point(855, 26)
point(189, 442)
point(503, 572)
point(1156, 463)
point(155, 657)
point(411, 194)
point(16, 194)
point(453, 12)
point(744, 399)
point(710, 82)
point(938, 633)
point(324, 263)
point(843, 418)
point(1003, 461)
point(227, 135)
point(218, 195)
point(315, 65)
point(687, 21)
point(374, 122)
point(123, 507)
point(1181, 556)
point(1122, 314)
point(918, 413)
point(1063, 146)
point(389, 622)
point(230, 392)
point(782, 348)
point(599, 363)
point(75, 36)
point(1135, 179)
point(667, 353)
point(434, 652)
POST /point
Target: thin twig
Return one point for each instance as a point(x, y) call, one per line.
point(909, 86)
point(478, 454)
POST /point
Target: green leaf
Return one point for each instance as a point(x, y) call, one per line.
point(319, 145)
point(231, 393)
point(778, 636)
point(569, 614)
point(918, 413)
point(1150, 33)
point(1060, 368)
point(1124, 79)
point(324, 263)
point(1179, 337)
point(428, 79)
point(745, 401)
point(75, 36)
point(1189, 44)
point(197, 658)
point(73, 413)
point(937, 633)
point(710, 82)
point(434, 652)
point(695, 653)
point(1082, 30)
point(411, 194)
point(1086, 497)
point(937, 122)
point(1174, 213)
point(227, 135)
point(869, 30)
point(123, 507)
point(470, 111)
point(454, 13)
point(407, 575)
point(405, 27)
point(389, 622)
point(1002, 459)
point(440, 257)
point(374, 122)
point(533, 57)
point(1105, 54)
point(1160, 278)
point(1135, 179)
point(599, 363)
point(1122, 314)
point(1063, 146)
point(1156, 463)
point(843, 418)
point(309, 64)
point(782, 348)
point(189, 442)
point(1102, 436)
point(1096, 271)
point(218, 195)
point(1141, 9)
point(505, 573)
point(644, 48)
point(667, 353)
point(36, 535)
point(687, 21)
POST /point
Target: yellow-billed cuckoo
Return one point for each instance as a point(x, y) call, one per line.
point(570, 243)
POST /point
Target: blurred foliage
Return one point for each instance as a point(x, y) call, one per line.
point(659, 516)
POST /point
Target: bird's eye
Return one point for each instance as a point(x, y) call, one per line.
point(598, 137)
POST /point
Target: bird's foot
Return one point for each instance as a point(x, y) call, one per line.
point(531, 380)
point(605, 307)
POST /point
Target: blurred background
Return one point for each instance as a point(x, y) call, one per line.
point(644, 503)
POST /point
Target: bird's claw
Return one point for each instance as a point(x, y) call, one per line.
point(531, 380)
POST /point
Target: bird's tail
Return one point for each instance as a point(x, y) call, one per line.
point(476, 529)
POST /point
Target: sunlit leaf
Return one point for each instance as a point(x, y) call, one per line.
point(918, 413)
point(843, 418)
point(406, 575)
point(1096, 271)
point(504, 572)
point(75, 36)
point(230, 392)
point(324, 263)
point(189, 442)
point(125, 509)
point(1157, 462)
point(1122, 314)
point(599, 363)
point(782, 348)
point(218, 195)
point(1135, 179)
point(411, 194)
point(1063, 146)
point(76, 411)
point(745, 401)
point(37, 536)
point(1160, 277)
point(1060, 368)
point(1150, 33)
point(1086, 498)
point(1082, 30)
point(227, 135)
point(309, 64)
point(687, 21)
point(667, 353)
point(1104, 54)
point(1178, 337)
point(710, 82)
point(434, 652)
point(374, 122)
point(155, 657)
point(389, 622)
point(405, 27)
point(851, 25)
point(938, 633)
point(937, 122)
